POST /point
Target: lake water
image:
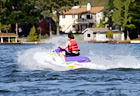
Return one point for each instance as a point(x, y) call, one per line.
point(115, 71)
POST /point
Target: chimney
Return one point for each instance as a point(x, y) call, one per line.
point(88, 7)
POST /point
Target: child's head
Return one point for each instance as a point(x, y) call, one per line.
point(70, 35)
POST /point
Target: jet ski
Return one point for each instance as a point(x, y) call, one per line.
point(71, 61)
point(54, 58)
point(73, 58)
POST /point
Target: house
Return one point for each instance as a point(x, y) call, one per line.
point(99, 34)
point(78, 19)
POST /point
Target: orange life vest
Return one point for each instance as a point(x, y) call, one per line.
point(73, 46)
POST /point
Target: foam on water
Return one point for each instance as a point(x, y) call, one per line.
point(116, 61)
point(31, 59)
point(57, 39)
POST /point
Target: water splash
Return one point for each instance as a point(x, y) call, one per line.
point(99, 59)
point(28, 61)
point(114, 61)
point(57, 39)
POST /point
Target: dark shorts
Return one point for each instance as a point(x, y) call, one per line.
point(72, 54)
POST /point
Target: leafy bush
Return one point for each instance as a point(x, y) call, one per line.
point(94, 25)
point(32, 35)
point(109, 33)
point(43, 36)
point(101, 25)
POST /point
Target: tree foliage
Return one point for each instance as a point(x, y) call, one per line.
point(93, 2)
point(49, 7)
point(134, 12)
point(121, 15)
point(101, 25)
point(117, 12)
point(32, 35)
point(109, 33)
point(18, 11)
point(108, 12)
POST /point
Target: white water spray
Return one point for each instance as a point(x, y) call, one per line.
point(29, 59)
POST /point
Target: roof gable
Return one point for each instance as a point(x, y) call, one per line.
point(87, 29)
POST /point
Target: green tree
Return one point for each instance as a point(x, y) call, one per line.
point(95, 25)
point(32, 35)
point(108, 13)
point(127, 18)
point(18, 11)
point(101, 25)
point(134, 12)
point(117, 12)
point(121, 15)
point(46, 11)
point(4, 28)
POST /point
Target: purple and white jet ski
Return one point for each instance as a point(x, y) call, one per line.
point(71, 61)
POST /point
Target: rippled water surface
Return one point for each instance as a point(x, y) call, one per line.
point(116, 72)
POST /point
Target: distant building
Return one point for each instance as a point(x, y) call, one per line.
point(6, 37)
point(78, 19)
point(99, 34)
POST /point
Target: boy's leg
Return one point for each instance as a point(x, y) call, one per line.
point(62, 55)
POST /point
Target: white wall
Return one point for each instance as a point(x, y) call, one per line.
point(117, 36)
point(122, 36)
point(67, 21)
point(88, 38)
point(101, 37)
point(99, 16)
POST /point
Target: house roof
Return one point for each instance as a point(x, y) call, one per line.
point(83, 10)
point(8, 35)
point(99, 30)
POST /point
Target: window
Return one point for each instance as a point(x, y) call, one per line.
point(88, 16)
point(63, 16)
point(88, 35)
point(73, 26)
point(80, 16)
point(73, 16)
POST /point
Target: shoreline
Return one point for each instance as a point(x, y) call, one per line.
point(14, 43)
point(117, 42)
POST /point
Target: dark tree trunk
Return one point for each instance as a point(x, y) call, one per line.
point(50, 27)
point(39, 34)
point(57, 20)
point(16, 28)
point(138, 30)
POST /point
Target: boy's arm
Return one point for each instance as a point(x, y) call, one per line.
point(64, 47)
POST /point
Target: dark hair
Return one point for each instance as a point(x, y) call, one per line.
point(70, 35)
